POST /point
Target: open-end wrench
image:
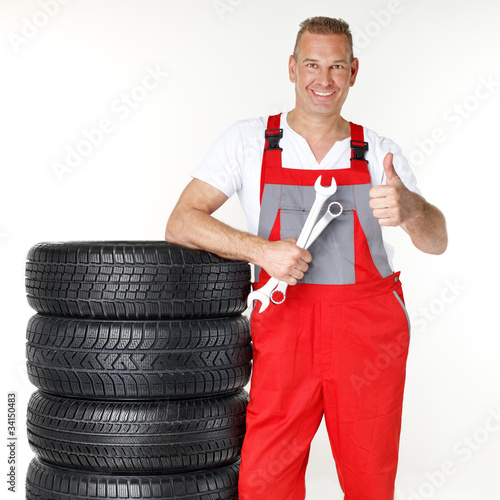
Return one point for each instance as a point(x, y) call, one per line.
point(332, 212)
point(322, 194)
point(263, 294)
point(278, 295)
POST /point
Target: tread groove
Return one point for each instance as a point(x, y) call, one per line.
point(134, 280)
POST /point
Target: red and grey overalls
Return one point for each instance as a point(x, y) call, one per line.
point(337, 346)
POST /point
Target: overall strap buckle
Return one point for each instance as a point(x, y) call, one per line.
point(273, 137)
point(359, 149)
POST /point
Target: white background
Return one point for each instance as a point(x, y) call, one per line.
point(429, 79)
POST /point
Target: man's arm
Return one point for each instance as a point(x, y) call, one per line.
point(192, 225)
point(395, 205)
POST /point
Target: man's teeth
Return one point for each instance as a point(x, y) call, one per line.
point(322, 94)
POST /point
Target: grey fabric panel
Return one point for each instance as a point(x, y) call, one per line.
point(333, 254)
point(271, 203)
point(401, 303)
point(372, 229)
point(333, 251)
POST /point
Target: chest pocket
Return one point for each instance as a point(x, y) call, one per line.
point(333, 251)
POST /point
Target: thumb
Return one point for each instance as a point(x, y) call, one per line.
point(390, 172)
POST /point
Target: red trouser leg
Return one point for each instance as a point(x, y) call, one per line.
point(364, 375)
point(285, 406)
point(312, 356)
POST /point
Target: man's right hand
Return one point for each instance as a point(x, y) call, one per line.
point(284, 260)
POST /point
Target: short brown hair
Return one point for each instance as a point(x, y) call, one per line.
point(324, 26)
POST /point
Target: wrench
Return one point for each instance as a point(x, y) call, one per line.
point(333, 211)
point(322, 194)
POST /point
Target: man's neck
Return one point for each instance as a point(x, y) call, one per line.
point(320, 132)
point(331, 128)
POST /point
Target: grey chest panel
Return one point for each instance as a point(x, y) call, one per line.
point(333, 252)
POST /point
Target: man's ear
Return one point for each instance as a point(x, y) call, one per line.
point(292, 64)
point(354, 71)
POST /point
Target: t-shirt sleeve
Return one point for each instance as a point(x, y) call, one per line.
point(222, 165)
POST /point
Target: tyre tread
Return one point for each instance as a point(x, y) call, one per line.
point(134, 280)
point(138, 359)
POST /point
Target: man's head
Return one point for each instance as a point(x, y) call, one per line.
point(324, 26)
point(322, 67)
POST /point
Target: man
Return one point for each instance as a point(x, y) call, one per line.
point(344, 311)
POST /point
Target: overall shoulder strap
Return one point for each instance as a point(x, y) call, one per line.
point(358, 146)
point(272, 150)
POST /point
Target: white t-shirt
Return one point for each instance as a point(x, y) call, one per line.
point(233, 164)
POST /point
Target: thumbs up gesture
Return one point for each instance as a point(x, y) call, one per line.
point(392, 203)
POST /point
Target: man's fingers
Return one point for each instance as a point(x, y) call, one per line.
point(381, 191)
point(377, 203)
point(389, 222)
point(390, 171)
point(306, 256)
point(296, 274)
point(286, 261)
point(290, 281)
point(297, 254)
point(386, 200)
point(383, 213)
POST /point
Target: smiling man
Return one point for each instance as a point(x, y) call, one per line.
point(345, 310)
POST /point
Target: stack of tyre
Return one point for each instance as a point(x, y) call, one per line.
point(140, 353)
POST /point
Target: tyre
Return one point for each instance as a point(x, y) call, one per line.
point(133, 280)
point(137, 437)
point(45, 482)
point(138, 359)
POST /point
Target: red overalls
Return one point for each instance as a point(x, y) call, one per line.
point(337, 346)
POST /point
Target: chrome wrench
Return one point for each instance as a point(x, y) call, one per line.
point(334, 210)
point(322, 194)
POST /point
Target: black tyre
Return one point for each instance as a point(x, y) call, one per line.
point(133, 280)
point(138, 359)
point(129, 437)
point(45, 482)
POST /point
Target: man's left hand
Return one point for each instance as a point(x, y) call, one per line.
point(392, 203)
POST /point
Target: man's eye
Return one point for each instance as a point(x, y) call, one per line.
point(312, 65)
point(337, 66)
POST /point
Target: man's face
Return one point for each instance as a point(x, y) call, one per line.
point(322, 74)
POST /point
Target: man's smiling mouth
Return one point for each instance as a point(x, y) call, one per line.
point(323, 94)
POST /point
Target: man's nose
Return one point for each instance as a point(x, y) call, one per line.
point(325, 77)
